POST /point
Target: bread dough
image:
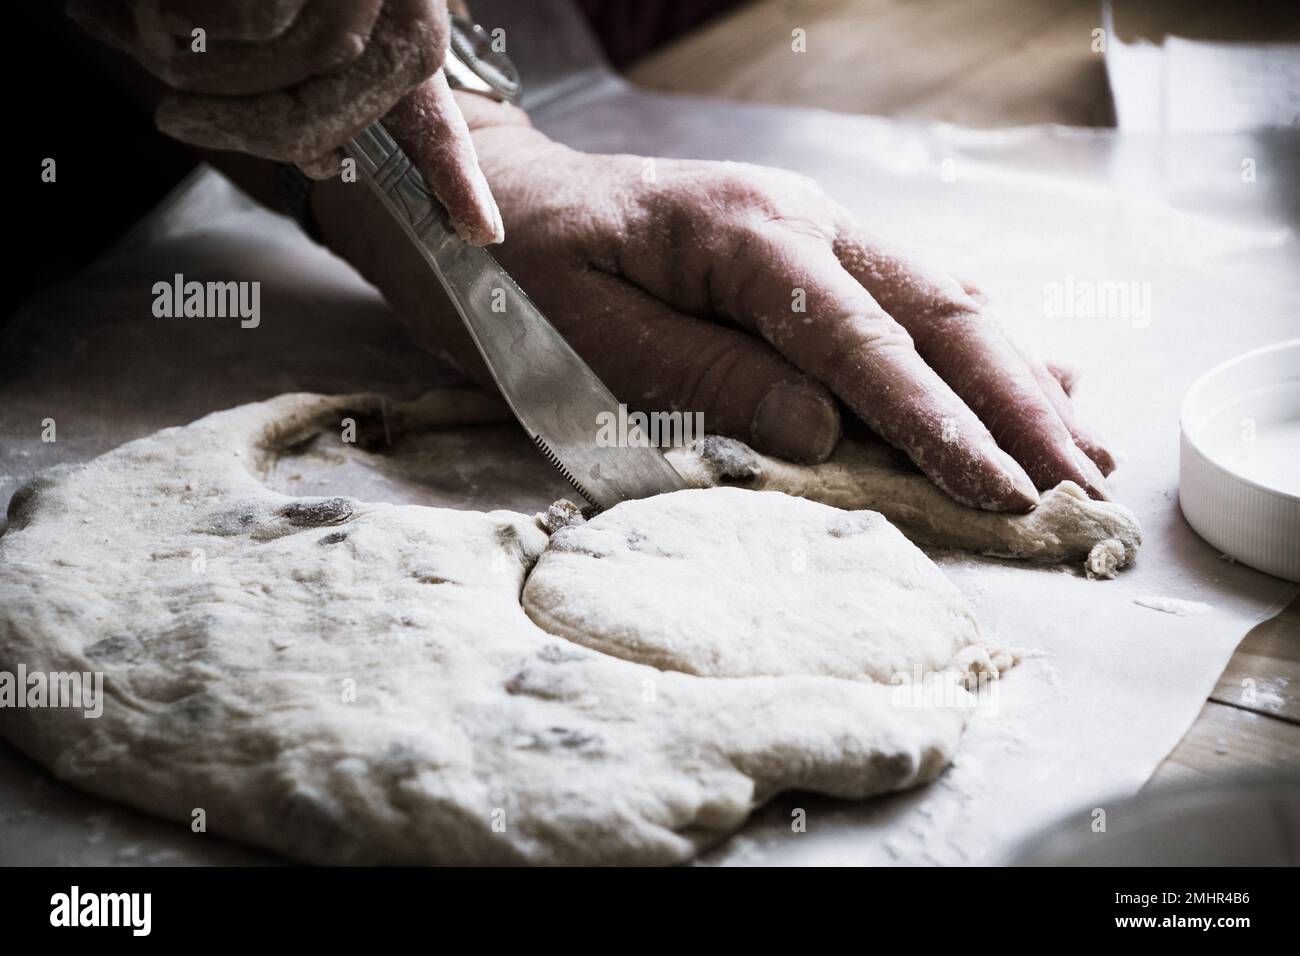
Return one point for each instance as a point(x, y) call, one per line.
point(351, 682)
point(731, 583)
point(1066, 527)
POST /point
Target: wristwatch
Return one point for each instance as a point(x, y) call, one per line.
point(472, 64)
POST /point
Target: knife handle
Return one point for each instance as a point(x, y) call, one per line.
point(388, 169)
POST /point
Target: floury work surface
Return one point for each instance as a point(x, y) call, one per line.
point(1108, 686)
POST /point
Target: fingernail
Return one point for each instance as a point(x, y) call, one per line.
point(1023, 493)
point(1093, 482)
point(498, 226)
point(483, 231)
point(1102, 458)
point(796, 424)
point(487, 227)
point(1093, 444)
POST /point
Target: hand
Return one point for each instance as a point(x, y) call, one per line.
point(293, 80)
point(680, 283)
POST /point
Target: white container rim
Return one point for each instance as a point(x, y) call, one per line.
point(1201, 385)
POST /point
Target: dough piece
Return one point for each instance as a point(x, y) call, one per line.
point(1067, 525)
point(561, 514)
point(730, 583)
point(349, 682)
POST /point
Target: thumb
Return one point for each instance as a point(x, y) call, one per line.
point(655, 358)
point(429, 127)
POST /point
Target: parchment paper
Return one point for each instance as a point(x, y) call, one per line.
point(1108, 687)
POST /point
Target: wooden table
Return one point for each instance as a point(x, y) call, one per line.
point(984, 63)
point(979, 63)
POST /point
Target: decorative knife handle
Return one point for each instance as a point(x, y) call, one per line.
point(391, 172)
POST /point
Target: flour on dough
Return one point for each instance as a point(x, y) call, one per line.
point(352, 682)
point(1067, 525)
point(730, 583)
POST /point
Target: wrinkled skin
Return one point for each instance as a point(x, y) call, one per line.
point(292, 80)
point(679, 285)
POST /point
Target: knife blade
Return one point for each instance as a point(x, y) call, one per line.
point(555, 396)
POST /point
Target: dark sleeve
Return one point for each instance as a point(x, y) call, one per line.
point(64, 102)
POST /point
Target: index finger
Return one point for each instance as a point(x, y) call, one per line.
point(428, 125)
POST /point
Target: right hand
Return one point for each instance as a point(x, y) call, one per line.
point(747, 294)
point(293, 80)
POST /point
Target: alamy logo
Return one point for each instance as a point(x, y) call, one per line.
point(1085, 299)
point(652, 430)
point(83, 691)
point(208, 300)
point(103, 909)
point(946, 690)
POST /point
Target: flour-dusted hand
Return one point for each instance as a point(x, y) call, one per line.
point(293, 80)
point(748, 294)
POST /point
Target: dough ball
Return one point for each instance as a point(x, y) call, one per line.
point(723, 582)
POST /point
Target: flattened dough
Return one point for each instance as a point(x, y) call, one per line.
point(731, 583)
point(1066, 527)
point(349, 682)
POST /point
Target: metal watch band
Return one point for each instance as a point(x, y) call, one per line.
point(472, 64)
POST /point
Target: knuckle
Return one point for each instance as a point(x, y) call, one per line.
point(946, 308)
point(734, 189)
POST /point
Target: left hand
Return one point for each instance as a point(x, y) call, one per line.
point(293, 80)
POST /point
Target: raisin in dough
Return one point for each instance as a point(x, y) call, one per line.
point(352, 682)
point(729, 583)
